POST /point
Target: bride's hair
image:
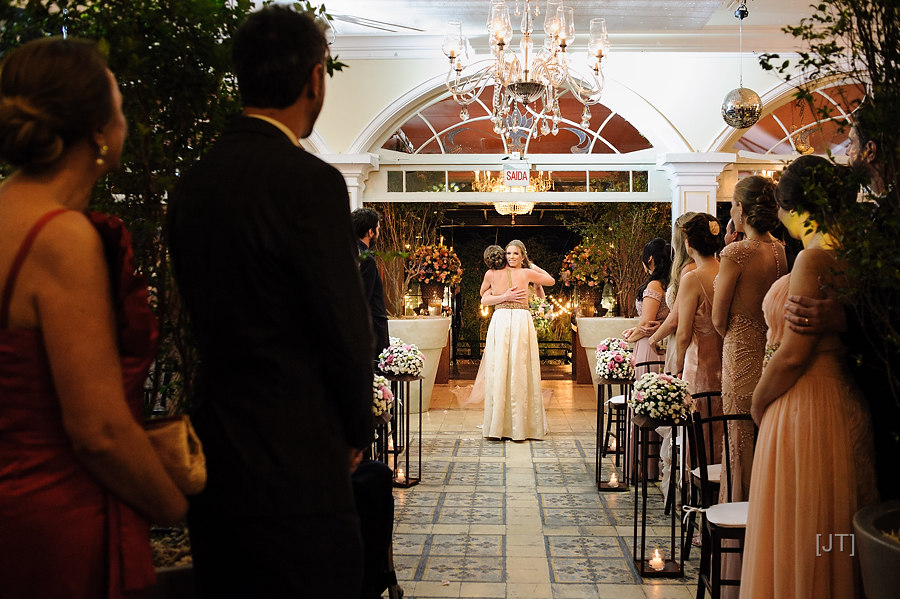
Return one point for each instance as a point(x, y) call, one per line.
point(525, 262)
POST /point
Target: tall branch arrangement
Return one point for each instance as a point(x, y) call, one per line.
point(404, 227)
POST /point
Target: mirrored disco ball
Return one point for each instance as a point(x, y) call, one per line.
point(741, 108)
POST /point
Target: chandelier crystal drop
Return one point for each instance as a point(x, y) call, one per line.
point(532, 76)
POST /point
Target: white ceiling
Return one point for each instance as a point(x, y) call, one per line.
point(633, 22)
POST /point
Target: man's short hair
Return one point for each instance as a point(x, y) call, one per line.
point(274, 52)
point(363, 220)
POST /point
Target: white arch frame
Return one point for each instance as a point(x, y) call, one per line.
point(634, 108)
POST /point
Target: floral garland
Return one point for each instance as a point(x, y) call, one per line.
point(661, 396)
point(585, 265)
point(401, 358)
point(436, 264)
point(382, 398)
point(614, 360)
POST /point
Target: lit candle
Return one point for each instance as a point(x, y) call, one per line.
point(390, 444)
point(657, 562)
point(401, 478)
point(613, 480)
point(612, 444)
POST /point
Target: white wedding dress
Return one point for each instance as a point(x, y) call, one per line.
point(510, 373)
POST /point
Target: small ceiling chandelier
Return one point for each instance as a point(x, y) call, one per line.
point(529, 75)
point(538, 182)
point(741, 107)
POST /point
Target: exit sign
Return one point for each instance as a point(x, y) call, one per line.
point(515, 177)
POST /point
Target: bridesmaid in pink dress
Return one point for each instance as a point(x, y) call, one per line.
point(698, 354)
point(652, 310)
point(813, 466)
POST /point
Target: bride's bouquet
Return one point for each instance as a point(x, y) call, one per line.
point(382, 398)
point(661, 396)
point(614, 360)
point(401, 358)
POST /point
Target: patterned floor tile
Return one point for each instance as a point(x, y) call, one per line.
point(468, 545)
point(558, 517)
point(590, 570)
point(479, 473)
point(464, 569)
point(580, 546)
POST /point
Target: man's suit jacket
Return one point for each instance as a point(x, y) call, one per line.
point(266, 261)
point(374, 294)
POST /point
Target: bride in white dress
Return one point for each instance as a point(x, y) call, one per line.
point(510, 367)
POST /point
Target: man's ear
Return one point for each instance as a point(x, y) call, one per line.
point(315, 85)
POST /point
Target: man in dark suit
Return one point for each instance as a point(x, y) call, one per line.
point(265, 258)
point(367, 224)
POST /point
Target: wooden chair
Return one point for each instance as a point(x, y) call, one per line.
point(722, 521)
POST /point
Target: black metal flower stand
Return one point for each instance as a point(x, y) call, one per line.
point(617, 417)
point(670, 565)
point(400, 445)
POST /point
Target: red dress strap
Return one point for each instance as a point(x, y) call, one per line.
point(17, 263)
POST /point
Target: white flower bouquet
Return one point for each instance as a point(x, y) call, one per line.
point(382, 398)
point(661, 396)
point(614, 360)
point(401, 358)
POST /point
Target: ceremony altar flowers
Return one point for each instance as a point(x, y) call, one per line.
point(401, 358)
point(382, 398)
point(435, 264)
point(585, 265)
point(614, 360)
point(541, 311)
point(661, 396)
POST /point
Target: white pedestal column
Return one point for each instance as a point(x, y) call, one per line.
point(429, 333)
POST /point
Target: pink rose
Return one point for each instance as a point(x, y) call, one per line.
point(602, 347)
point(618, 358)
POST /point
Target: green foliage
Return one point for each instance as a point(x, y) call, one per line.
point(172, 61)
point(857, 41)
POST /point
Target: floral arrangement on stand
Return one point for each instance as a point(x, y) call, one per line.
point(401, 358)
point(435, 264)
point(382, 398)
point(615, 360)
point(661, 396)
point(585, 265)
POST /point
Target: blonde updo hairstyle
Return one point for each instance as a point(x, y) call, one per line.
point(681, 257)
point(756, 195)
point(54, 93)
point(525, 262)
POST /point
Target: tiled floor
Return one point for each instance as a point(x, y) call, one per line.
point(502, 519)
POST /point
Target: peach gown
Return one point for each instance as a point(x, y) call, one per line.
point(813, 469)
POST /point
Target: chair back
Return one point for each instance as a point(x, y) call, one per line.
point(649, 366)
point(701, 451)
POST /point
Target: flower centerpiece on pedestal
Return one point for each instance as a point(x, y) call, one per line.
point(661, 397)
point(401, 359)
point(435, 267)
point(615, 361)
point(382, 398)
point(541, 313)
point(584, 268)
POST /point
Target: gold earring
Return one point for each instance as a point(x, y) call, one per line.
point(104, 149)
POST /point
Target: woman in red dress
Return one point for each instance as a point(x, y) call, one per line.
point(78, 477)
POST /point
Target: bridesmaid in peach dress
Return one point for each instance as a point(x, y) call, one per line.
point(814, 465)
point(698, 357)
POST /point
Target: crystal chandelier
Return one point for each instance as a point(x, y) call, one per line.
point(536, 183)
point(530, 75)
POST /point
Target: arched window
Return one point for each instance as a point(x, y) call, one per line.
point(438, 129)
